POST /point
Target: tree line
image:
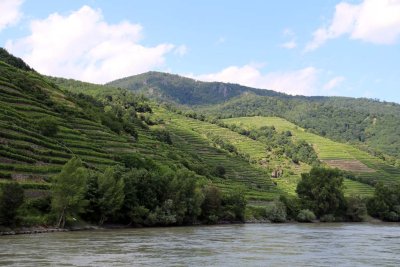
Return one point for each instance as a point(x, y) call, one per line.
point(147, 195)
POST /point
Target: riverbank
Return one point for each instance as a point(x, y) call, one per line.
point(42, 229)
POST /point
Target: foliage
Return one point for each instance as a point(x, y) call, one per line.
point(220, 171)
point(68, 190)
point(110, 192)
point(276, 212)
point(356, 209)
point(361, 120)
point(292, 205)
point(161, 197)
point(11, 198)
point(162, 135)
point(212, 204)
point(13, 61)
point(306, 216)
point(386, 202)
point(321, 191)
point(48, 126)
point(234, 205)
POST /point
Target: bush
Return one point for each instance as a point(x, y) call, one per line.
point(162, 135)
point(220, 171)
point(328, 218)
point(356, 209)
point(234, 206)
point(11, 198)
point(276, 212)
point(211, 206)
point(306, 216)
point(48, 126)
point(292, 206)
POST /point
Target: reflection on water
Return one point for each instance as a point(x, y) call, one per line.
point(228, 245)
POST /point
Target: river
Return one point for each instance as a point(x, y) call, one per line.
point(223, 245)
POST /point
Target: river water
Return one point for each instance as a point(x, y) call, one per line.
point(226, 245)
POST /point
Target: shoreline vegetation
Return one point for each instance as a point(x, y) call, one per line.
point(45, 230)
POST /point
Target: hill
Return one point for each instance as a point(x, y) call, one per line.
point(364, 122)
point(88, 127)
point(365, 167)
point(178, 89)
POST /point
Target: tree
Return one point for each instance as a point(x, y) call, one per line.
point(211, 206)
point(385, 204)
point(11, 198)
point(111, 192)
point(48, 126)
point(69, 189)
point(321, 191)
point(276, 212)
point(234, 205)
point(220, 171)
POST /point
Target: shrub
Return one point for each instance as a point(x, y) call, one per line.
point(11, 198)
point(356, 209)
point(220, 171)
point(306, 216)
point(162, 135)
point(211, 206)
point(48, 126)
point(276, 212)
point(328, 218)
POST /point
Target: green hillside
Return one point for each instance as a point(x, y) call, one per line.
point(365, 122)
point(366, 168)
point(178, 89)
point(33, 159)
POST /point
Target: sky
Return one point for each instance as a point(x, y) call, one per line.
point(308, 47)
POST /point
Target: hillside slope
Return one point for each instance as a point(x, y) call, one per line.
point(33, 159)
point(178, 89)
point(366, 168)
point(360, 121)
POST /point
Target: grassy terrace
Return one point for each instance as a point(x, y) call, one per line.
point(335, 154)
point(31, 158)
point(192, 135)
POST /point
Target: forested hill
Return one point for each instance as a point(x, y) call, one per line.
point(366, 122)
point(178, 89)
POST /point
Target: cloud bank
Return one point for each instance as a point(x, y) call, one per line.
point(82, 45)
point(373, 21)
point(10, 12)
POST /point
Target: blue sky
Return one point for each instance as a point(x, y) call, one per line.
point(346, 48)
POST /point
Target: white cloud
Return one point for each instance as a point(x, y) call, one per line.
point(83, 46)
point(374, 21)
point(181, 50)
point(335, 82)
point(296, 82)
point(10, 12)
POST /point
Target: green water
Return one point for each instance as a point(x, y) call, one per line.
point(228, 245)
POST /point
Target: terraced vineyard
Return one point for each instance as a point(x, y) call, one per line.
point(368, 169)
point(189, 135)
point(31, 158)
